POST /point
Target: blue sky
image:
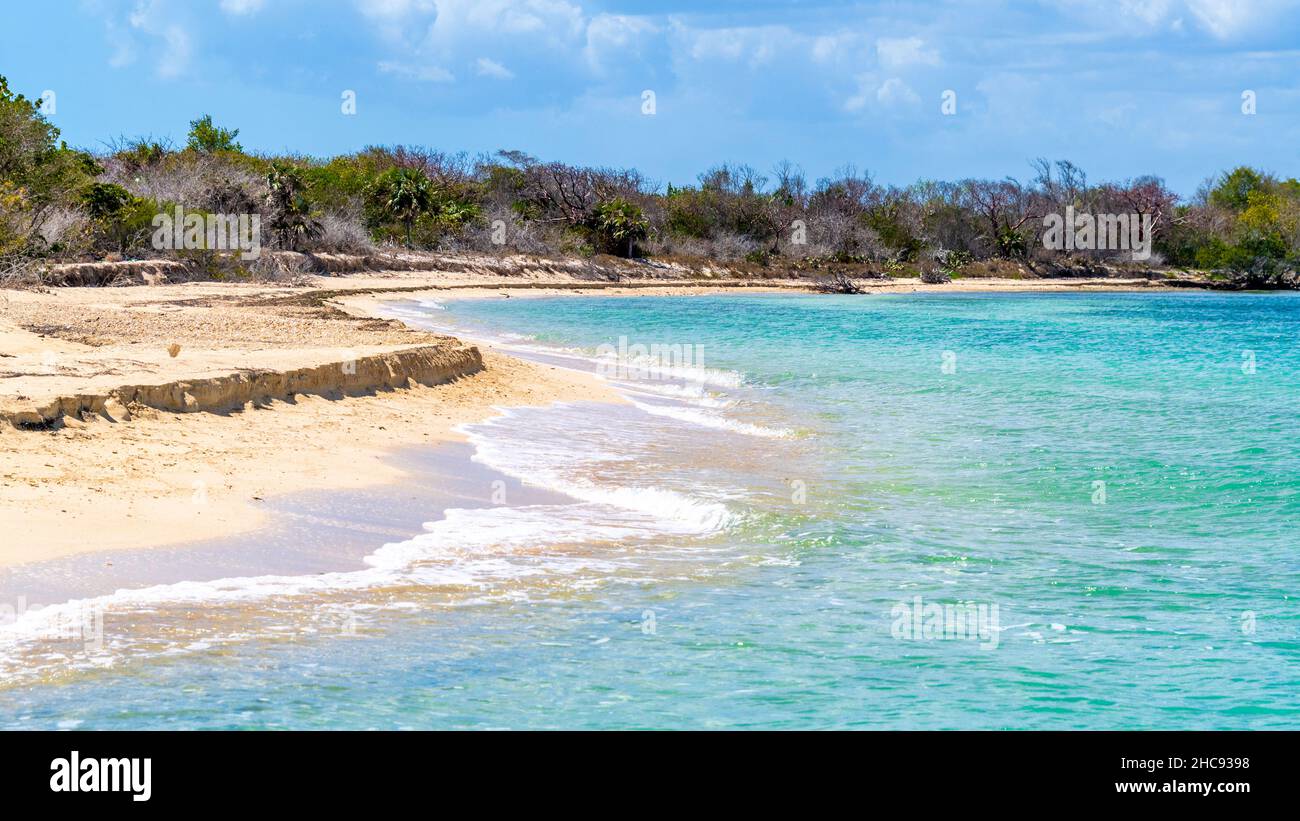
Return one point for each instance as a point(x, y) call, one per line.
point(1120, 87)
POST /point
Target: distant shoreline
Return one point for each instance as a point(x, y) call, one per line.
point(467, 270)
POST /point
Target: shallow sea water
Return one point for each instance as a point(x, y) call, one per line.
point(906, 511)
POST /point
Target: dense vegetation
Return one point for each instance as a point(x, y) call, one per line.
point(60, 203)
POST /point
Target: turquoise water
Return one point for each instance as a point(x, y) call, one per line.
point(1117, 474)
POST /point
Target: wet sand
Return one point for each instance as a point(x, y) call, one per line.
point(302, 533)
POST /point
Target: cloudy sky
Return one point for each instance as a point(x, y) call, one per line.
point(1121, 87)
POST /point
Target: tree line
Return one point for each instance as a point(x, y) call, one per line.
point(64, 203)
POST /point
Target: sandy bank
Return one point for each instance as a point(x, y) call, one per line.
point(120, 444)
point(49, 394)
point(164, 478)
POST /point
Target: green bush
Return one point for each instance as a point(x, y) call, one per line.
point(38, 172)
point(617, 226)
point(288, 211)
point(207, 138)
point(402, 195)
point(118, 218)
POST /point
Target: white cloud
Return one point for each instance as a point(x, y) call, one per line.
point(424, 35)
point(896, 54)
point(493, 69)
point(873, 92)
point(155, 18)
point(755, 46)
point(394, 9)
point(1147, 12)
point(398, 21)
point(122, 43)
point(1222, 19)
point(241, 7)
point(866, 84)
point(554, 21)
point(895, 92)
point(1132, 16)
point(1229, 18)
point(841, 48)
point(426, 74)
point(616, 36)
point(724, 44)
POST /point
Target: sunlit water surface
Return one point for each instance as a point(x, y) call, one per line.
point(1112, 481)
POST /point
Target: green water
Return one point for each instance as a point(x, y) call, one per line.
point(1117, 474)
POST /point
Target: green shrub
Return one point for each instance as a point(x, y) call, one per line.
point(38, 172)
point(401, 195)
point(617, 226)
point(207, 138)
point(119, 219)
point(289, 214)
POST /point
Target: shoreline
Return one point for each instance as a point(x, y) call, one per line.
point(355, 540)
point(299, 533)
point(368, 300)
point(368, 293)
point(99, 481)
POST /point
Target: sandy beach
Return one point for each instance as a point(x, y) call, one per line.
point(131, 476)
point(166, 414)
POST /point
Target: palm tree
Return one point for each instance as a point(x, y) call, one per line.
point(290, 213)
point(404, 194)
point(619, 225)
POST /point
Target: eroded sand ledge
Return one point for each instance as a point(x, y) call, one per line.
point(425, 365)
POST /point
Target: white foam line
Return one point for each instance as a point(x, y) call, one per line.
point(474, 547)
point(709, 420)
point(675, 512)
